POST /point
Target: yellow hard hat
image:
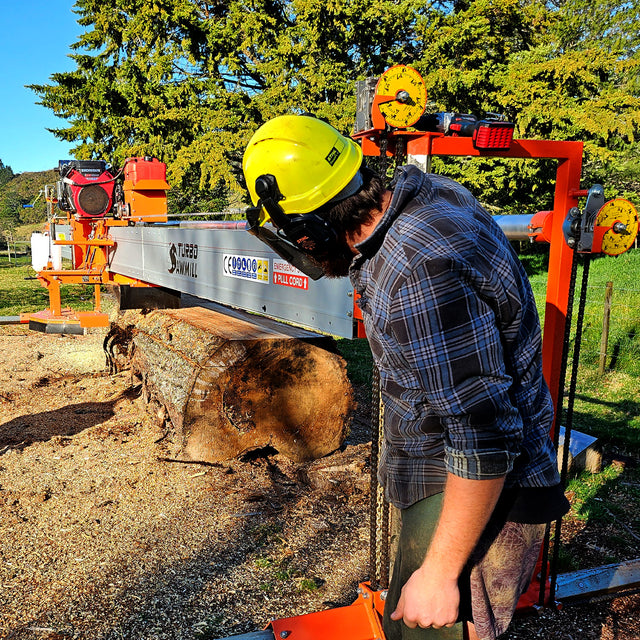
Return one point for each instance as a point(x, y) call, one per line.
point(312, 163)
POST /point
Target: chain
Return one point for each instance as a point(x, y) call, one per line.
point(382, 558)
point(373, 493)
point(384, 160)
point(400, 155)
point(569, 415)
point(558, 413)
point(378, 506)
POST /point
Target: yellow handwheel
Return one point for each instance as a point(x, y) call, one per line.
point(402, 96)
point(618, 222)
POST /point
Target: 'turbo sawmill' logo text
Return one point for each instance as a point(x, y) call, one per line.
point(183, 259)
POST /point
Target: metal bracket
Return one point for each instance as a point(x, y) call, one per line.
point(578, 225)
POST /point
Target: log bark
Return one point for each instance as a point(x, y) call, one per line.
point(229, 386)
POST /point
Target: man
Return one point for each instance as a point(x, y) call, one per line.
point(454, 331)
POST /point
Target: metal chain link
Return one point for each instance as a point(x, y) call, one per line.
point(379, 534)
point(379, 507)
point(553, 571)
point(400, 155)
point(373, 485)
point(384, 160)
point(382, 557)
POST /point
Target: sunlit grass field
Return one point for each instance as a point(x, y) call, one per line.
point(21, 292)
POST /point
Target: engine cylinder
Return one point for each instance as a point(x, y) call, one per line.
point(85, 188)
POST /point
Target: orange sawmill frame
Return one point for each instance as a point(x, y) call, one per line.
point(145, 200)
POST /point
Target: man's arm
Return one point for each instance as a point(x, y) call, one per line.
point(430, 598)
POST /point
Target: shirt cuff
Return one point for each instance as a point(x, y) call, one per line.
point(478, 465)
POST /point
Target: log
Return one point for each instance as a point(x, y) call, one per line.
point(229, 386)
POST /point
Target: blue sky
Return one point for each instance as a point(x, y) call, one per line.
point(35, 42)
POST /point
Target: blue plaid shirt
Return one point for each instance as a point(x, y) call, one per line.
point(454, 331)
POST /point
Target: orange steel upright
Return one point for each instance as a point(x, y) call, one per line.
point(567, 192)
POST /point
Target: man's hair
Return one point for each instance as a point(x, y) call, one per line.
point(348, 215)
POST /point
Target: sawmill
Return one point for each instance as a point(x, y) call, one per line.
point(232, 334)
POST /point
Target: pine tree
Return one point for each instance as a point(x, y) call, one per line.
point(188, 81)
point(6, 173)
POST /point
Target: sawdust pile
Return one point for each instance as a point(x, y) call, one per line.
point(103, 537)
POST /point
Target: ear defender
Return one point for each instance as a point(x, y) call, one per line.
point(309, 232)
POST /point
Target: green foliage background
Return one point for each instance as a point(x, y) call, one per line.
point(188, 81)
point(19, 190)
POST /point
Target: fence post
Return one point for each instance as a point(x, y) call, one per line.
point(604, 341)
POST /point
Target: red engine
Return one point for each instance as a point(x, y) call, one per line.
point(85, 188)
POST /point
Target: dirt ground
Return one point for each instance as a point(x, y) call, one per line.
point(103, 537)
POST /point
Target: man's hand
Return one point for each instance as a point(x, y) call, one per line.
point(427, 600)
point(430, 597)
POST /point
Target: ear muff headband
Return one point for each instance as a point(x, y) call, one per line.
point(308, 231)
point(269, 195)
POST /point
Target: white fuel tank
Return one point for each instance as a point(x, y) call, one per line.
point(43, 250)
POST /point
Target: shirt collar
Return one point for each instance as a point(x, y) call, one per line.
point(407, 182)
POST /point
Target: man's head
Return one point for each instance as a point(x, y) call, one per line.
point(308, 180)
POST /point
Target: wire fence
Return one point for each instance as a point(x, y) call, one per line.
point(610, 338)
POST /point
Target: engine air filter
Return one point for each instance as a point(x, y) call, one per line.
point(93, 200)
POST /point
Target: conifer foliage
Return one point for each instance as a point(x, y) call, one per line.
point(188, 81)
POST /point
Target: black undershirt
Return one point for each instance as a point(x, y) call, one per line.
point(532, 505)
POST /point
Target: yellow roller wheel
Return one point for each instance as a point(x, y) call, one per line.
point(402, 96)
point(620, 219)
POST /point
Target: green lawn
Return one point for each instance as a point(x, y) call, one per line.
point(21, 292)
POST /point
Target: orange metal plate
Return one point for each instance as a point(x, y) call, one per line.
point(359, 621)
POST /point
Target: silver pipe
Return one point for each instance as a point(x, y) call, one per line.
point(515, 227)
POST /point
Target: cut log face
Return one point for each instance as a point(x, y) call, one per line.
point(229, 386)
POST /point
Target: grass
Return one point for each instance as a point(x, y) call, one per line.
point(587, 490)
point(359, 360)
point(276, 564)
point(20, 292)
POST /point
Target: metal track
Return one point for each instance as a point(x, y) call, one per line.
point(231, 267)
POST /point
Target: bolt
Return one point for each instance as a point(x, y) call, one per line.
point(403, 97)
point(620, 227)
point(383, 595)
point(571, 242)
point(285, 634)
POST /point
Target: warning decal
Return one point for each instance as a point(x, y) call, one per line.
point(246, 268)
point(287, 275)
